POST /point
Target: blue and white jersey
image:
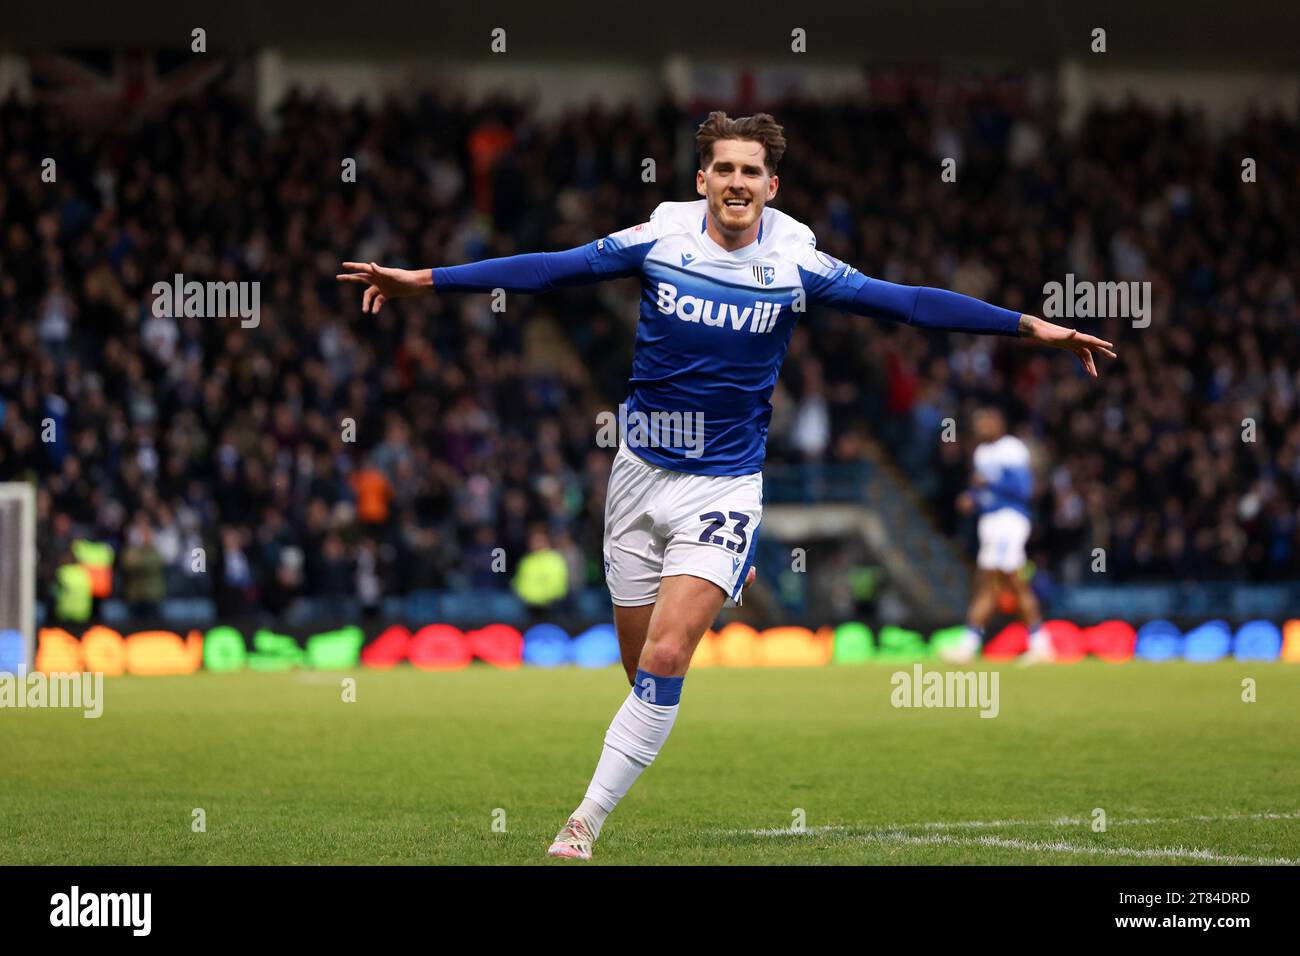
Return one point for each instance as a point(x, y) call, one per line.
point(714, 327)
point(1004, 466)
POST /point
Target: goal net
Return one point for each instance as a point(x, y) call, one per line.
point(17, 577)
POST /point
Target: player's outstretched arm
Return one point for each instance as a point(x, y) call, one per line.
point(531, 272)
point(939, 309)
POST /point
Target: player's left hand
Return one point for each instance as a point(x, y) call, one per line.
point(1072, 340)
point(384, 283)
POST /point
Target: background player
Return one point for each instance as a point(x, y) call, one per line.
point(724, 279)
point(1002, 484)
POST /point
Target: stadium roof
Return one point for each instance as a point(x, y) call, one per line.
point(1187, 34)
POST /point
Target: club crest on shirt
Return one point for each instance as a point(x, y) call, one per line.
point(764, 274)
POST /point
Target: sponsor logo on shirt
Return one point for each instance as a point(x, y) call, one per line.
point(757, 318)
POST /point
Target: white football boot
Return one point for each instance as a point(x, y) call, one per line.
point(1040, 649)
point(573, 842)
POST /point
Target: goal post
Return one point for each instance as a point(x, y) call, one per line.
point(17, 577)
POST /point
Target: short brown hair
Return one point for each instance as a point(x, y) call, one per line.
point(759, 128)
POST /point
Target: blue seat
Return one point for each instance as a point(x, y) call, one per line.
point(546, 645)
point(596, 647)
point(12, 652)
point(1158, 641)
point(1258, 641)
point(1210, 641)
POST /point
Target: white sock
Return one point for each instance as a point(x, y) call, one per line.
point(591, 813)
point(632, 742)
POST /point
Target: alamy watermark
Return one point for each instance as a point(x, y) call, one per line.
point(945, 688)
point(208, 300)
point(83, 691)
point(675, 430)
point(130, 910)
point(1098, 300)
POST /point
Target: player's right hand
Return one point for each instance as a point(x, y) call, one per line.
point(383, 283)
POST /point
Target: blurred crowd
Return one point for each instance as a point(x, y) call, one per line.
point(327, 453)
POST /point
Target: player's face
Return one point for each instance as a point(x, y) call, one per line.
point(736, 184)
point(988, 427)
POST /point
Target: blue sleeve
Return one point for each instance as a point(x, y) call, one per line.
point(531, 272)
point(927, 308)
point(1015, 483)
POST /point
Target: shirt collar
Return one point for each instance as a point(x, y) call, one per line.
point(745, 252)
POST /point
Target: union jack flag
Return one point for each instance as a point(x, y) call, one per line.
point(109, 89)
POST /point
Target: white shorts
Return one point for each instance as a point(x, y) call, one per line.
point(1003, 535)
point(660, 522)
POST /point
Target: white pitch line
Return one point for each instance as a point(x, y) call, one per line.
point(1060, 846)
point(895, 833)
point(1080, 821)
point(1292, 815)
point(1054, 822)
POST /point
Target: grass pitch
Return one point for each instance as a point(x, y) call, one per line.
point(420, 767)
